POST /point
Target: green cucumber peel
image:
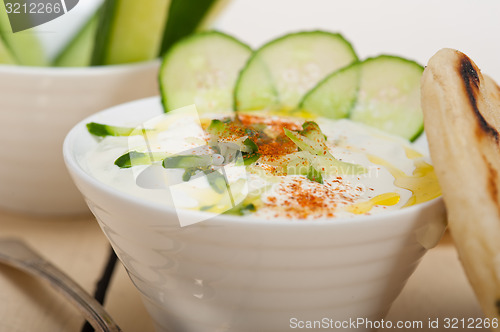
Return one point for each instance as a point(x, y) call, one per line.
point(188, 161)
point(242, 209)
point(135, 158)
point(184, 17)
point(302, 165)
point(251, 145)
point(220, 130)
point(129, 31)
point(249, 159)
point(78, 51)
point(189, 172)
point(317, 153)
point(102, 130)
point(217, 181)
point(216, 127)
point(314, 175)
point(306, 144)
point(311, 130)
point(248, 205)
point(331, 165)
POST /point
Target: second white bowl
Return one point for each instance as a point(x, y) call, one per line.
point(38, 106)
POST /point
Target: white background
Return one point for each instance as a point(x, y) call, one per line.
point(414, 29)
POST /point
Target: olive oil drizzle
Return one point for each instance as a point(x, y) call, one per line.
point(422, 183)
point(386, 199)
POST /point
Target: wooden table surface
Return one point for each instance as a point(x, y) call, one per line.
point(437, 289)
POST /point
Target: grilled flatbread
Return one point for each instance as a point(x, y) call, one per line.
point(462, 123)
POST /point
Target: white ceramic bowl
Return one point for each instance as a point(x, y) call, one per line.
point(38, 106)
point(247, 275)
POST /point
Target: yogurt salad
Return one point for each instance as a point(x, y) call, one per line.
point(266, 164)
point(298, 129)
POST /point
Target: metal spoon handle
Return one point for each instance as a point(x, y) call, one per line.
point(17, 254)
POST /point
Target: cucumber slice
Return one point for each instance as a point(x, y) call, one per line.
point(306, 144)
point(335, 96)
point(255, 88)
point(24, 47)
point(188, 16)
point(130, 31)
point(202, 69)
point(135, 158)
point(78, 51)
point(283, 70)
point(187, 161)
point(389, 96)
point(102, 130)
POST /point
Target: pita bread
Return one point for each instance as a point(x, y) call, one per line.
point(462, 123)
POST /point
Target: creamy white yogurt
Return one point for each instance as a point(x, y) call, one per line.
point(274, 195)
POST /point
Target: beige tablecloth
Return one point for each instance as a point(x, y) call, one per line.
point(437, 290)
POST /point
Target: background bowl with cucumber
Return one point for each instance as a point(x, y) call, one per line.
point(99, 54)
point(249, 274)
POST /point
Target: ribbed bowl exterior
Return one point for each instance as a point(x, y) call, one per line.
point(38, 106)
point(232, 274)
point(228, 275)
